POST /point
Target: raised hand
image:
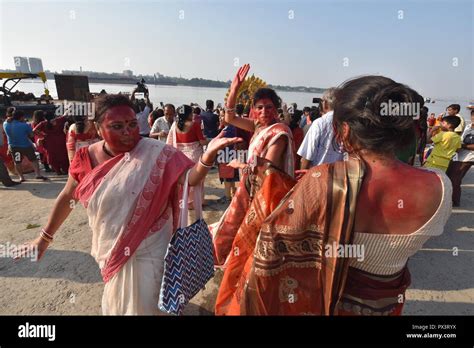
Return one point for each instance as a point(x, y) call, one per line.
point(219, 143)
point(236, 83)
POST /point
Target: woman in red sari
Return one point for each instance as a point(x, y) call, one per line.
point(271, 140)
point(129, 187)
point(54, 143)
point(38, 117)
point(81, 133)
point(339, 241)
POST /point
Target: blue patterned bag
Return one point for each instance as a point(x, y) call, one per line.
point(189, 261)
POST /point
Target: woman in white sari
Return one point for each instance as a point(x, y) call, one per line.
point(129, 186)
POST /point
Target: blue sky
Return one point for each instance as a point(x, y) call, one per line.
point(286, 42)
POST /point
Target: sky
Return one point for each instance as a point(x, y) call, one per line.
point(426, 44)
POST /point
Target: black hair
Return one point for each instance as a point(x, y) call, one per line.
point(106, 101)
point(267, 93)
point(10, 111)
point(295, 119)
point(38, 116)
point(422, 121)
point(456, 107)
point(239, 109)
point(453, 121)
point(80, 122)
point(184, 114)
point(209, 105)
point(197, 110)
point(314, 114)
point(359, 103)
point(306, 109)
point(156, 114)
point(169, 106)
point(18, 114)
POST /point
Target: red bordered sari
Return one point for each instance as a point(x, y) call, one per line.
point(132, 205)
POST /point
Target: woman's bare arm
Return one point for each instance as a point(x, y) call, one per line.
point(61, 210)
point(230, 117)
point(240, 122)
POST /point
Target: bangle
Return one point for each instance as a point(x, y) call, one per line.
point(209, 166)
point(46, 233)
point(229, 109)
point(46, 238)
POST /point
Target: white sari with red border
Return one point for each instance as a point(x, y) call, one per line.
point(133, 211)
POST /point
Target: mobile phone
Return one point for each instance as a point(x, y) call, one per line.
point(317, 100)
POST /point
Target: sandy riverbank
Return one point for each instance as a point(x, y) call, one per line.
point(67, 280)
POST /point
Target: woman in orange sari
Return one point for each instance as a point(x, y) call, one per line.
point(339, 241)
point(271, 140)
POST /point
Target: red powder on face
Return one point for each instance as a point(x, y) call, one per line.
point(264, 116)
point(119, 129)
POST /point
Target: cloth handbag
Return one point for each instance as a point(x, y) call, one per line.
point(189, 260)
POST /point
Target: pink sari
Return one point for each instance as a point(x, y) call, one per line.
point(225, 229)
point(132, 205)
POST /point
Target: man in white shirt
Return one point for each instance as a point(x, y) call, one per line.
point(143, 109)
point(162, 125)
point(317, 146)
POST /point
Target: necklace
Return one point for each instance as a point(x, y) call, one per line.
point(107, 151)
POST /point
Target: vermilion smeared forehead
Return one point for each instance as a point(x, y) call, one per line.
point(263, 101)
point(121, 113)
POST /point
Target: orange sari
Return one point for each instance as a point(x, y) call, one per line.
point(279, 264)
point(276, 184)
point(225, 229)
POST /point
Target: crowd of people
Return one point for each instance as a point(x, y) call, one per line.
point(311, 178)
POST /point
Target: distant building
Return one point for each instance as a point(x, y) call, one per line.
point(21, 64)
point(128, 73)
point(36, 65)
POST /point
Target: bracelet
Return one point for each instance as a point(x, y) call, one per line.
point(46, 233)
point(45, 238)
point(204, 164)
point(226, 109)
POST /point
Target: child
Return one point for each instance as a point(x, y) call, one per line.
point(446, 143)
